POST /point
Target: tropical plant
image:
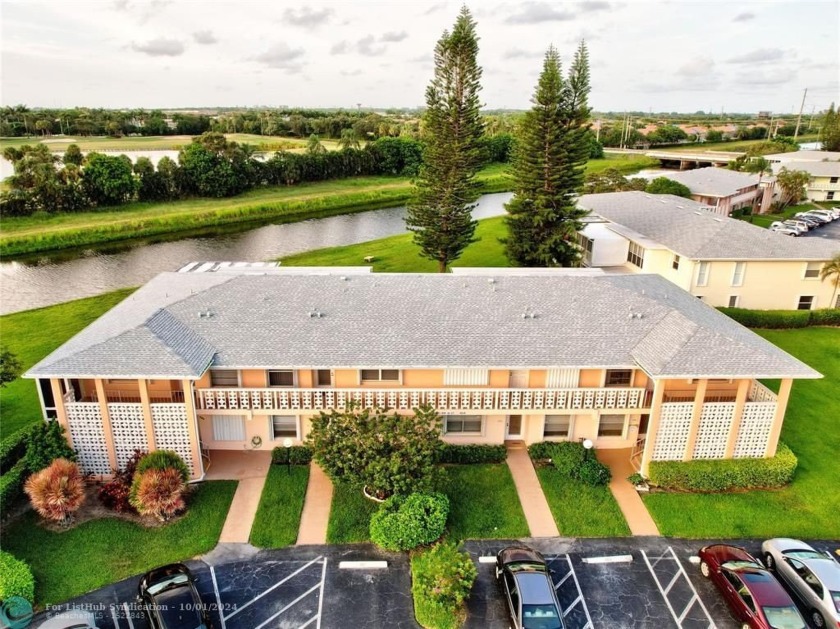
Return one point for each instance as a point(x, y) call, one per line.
point(452, 128)
point(46, 444)
point(441, 580)
point(831, 272)
point(158, 493)
point(388, 453)
point(57, 491)
point(314, 146)
point(161, 460)
point(792, 186)
point(115, 493)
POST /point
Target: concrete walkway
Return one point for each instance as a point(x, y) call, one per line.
point(531, 495)
point(316, 508)
point(250, 469)
point(631, 505)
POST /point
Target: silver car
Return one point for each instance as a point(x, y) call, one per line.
point(814, 576)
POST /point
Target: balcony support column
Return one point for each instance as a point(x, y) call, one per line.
point(106, 422)
point(653, 425)
point(740, 400)
point(779, 417)
point(60, 409)
point(696, 414)
point(192, 428)
point(146, 404)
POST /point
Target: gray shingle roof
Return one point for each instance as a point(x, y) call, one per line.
point(404, 321)
point(805, 156)
point(815, 169)
point(713, 181)
point(684, 227)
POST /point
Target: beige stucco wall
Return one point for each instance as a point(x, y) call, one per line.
point(422, 378)
point(819, 187)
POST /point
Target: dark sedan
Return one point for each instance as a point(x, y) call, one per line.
point(529, 590)
point(753, 594)
point(170, 599)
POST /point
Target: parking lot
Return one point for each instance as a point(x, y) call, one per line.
point(612, 584)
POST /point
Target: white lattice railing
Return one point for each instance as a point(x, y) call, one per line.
point(406, 399)
point(760, 393)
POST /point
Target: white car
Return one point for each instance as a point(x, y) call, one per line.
point(785, 230)
point(825, 213)
point(797, 227)
point(813, 576)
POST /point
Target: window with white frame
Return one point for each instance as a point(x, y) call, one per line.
point(806, 302)
point(380, 375)
point(224, 378)
point(281, 378)
point(463, 424)
point(618, 377)
point(636, 255)
point(228, 427)
point(611, 425)
point(812, 270)
point(675, 262)
point(558, 426)
point(283, 426)
point(733, 301)
point(703, 274)
point(738, 273)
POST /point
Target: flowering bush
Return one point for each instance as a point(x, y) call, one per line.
point(158, 493)
point(115, 493)
point(57, 491)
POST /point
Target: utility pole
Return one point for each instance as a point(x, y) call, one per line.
point(811, 121)
point(799, 118)
point(770, 128)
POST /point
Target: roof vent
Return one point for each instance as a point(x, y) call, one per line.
point(205, 314)
point(491, 280)
point(343, 278)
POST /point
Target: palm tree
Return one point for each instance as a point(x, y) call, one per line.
point(831, 269)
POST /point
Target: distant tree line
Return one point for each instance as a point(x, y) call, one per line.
point(211, 166)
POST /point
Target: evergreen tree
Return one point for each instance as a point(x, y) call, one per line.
point(548, 169)
point(441, 218)
point(830, 131)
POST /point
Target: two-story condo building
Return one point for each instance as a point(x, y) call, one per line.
point(723, 261)
point(725, 191)
point(822, 166)
point(200, 362)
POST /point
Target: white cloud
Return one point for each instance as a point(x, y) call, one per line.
point(537, 13)
point(306, 17)
point(204, 37)
point(160, 47)
point(281, 57)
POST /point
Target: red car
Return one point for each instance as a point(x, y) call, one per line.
point(753, 594)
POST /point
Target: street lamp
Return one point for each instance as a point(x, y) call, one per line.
point(287, 443)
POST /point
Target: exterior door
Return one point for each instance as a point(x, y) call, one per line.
point(513, 427)
point(518, 379)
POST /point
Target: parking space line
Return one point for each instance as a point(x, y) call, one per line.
point(128, 616)
point(670, 554)
point(302, 596)
point(321, 594)
point(309, 622)
point(272, 588)
point(588, 624)
point(218, 597)
point(562, 581)
point(114, 617)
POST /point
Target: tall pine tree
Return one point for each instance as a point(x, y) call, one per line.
point(441, 218)
point(552, 150)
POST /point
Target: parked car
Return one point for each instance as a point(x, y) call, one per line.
point(825, 213)
point(822, 220)
point(799, 224)
point(170, 599)
point(756, 599)
point(779, 226)
point(813, 221)
point(814, 577)
point(784, 229)
point(529, 590)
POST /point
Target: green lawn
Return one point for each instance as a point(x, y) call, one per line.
point(580, 510)
point(278, 516)
point(734, 145)
point(349, 515)
point(765, 220)
point(809, 507)
point(33, 334)
point(99, 552)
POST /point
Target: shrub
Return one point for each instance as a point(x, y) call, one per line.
point(15, 578)
point(723, 475)
point(11, 485)
point(592, 472)
point(163, 460)
point(825, 316)
point(404, 523)
point(115, 493)
point(441, 580)
point(542, 451)
point(57, 491)
point(299, 455)
point(13, 447)
point(46, 444)
point(568, 456)
point(472, 453)
point(782, 319)
point(158, 492)
point(388, 453)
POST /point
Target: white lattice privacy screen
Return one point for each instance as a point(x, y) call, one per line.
point(466, 377)
point(715, 422)
point(88, 434)
point(562, 378)
point(171, 432)
point(754, 431)
point(129, 429)
point(674, 425)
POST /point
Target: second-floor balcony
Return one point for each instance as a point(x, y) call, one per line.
point(484, 399)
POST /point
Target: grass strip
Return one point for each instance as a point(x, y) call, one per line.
point(349, 515)
point(278, 517)
point(99, 552)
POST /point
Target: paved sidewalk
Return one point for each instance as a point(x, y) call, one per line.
point(531, 495)
point(316, 508)
point(250, 469)
point(631, 505)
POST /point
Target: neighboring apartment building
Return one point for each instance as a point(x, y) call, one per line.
point(822, 166)
point(235, 360)
point(724, 261)
point(727, 190)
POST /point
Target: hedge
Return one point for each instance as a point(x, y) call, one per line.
point(13, 447)
point(15, 578)
point(11, 485)
point(783, 318)
point(571, 459)
point(441, 580)
point(473, 453)
point(406, 522)
point(723, 475)
point(299, 455)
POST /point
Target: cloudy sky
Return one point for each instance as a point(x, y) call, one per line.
point(646, 55)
